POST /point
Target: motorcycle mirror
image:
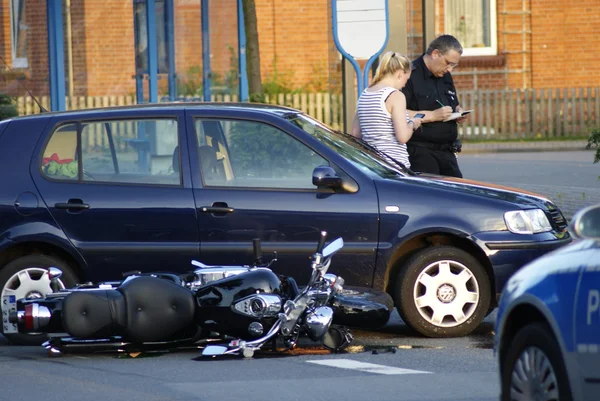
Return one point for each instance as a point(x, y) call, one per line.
point(212, 350)
point(54, 273)
point(333, 247)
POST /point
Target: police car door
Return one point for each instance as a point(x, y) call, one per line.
point(587, 323)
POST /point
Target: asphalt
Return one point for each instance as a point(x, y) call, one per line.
point(568, 201)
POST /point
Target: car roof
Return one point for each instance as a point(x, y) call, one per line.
point(221, 106)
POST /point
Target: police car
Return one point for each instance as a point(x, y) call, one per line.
point(547, 338)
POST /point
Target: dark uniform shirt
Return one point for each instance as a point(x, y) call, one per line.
point(421, 91)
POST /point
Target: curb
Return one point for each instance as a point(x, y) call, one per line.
point(538, 146)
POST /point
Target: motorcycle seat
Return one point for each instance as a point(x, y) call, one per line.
point(93, 314)
point(144, 309)
point(156, 308)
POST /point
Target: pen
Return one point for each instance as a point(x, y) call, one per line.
point(440, 103)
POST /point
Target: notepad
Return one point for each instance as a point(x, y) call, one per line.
point(454, 116)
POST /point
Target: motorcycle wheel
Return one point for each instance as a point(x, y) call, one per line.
point(25, 277)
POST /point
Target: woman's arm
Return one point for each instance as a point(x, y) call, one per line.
point(396, 105)
point(433, 115)
point(356, 127)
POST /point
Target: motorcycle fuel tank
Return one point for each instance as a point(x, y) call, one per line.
point(245, 305)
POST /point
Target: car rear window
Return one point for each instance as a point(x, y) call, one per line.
point(122, 151)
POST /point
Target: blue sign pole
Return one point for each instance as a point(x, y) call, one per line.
point(242, 73)
point(152, 51)
point(170, 17)
point(359, 81)
point(359, 16)
point(139, 73)
point(206, 81)
point(56, 58)
point(378, 53)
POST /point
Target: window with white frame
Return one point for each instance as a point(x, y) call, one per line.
point(18, 34)
point(473, 23)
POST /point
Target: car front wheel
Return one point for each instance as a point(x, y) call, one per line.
point(26, 277)
point(533, 368)
point(442, 291)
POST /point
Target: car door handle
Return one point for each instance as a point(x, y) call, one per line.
point(216, 209)
point(72, 204)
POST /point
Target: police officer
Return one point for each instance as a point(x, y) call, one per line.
point(430, 91)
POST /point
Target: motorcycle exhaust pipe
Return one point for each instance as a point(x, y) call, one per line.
point(32, 319)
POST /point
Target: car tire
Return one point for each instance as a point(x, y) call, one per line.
point(24, 277)
point(536, 341)
point(442, 291)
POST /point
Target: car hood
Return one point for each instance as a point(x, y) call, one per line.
point(524, 199)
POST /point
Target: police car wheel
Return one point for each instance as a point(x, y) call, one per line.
point(26, 277)
point(532, 366)
point(442, 291)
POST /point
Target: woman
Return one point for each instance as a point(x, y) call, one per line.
point(381, 119)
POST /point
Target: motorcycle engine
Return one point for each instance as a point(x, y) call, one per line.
point(259, 305)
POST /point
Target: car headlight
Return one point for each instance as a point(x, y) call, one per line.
point(527, 221)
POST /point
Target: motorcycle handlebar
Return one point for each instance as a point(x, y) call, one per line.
point(321, 243)
point(257, 251)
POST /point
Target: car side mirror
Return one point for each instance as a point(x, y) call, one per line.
point(325, 176)
point(586, 223)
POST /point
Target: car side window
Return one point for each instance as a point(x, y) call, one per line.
point(238, 153)
point(123, 151)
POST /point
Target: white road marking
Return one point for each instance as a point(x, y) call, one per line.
point(366, 367)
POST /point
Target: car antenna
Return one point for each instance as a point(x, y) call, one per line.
point(42, 109)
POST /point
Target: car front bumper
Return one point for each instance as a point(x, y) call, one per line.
point(509, 252)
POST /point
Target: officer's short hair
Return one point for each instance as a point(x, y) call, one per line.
point(444, 43)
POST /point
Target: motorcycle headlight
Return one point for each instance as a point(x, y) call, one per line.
point(527, 221)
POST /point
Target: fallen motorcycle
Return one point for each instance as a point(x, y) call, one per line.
point(227, 309)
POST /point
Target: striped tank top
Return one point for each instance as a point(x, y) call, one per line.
point(376, 124)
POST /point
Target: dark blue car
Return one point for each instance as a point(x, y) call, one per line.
point(151, 187)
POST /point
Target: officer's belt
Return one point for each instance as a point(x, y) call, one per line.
point(434, 146)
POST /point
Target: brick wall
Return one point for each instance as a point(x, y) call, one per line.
point(35, 77)
point(103, 47)
point(5, 44)
point(555, 34)
point(296, 48)
point(565, 43)
point(188, 39)
point(295, 40)
point(296, 44)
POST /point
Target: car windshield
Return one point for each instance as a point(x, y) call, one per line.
point(356, 151)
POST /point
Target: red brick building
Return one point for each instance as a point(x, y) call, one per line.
point(511, 44)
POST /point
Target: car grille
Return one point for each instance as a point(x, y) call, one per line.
point(557, 220)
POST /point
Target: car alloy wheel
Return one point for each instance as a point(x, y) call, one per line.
point(446, 293)
point(26, 277)
point(29, 283)
point(533, 377)
point(442, 291)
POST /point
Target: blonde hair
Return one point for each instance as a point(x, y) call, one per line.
point(390, 63)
